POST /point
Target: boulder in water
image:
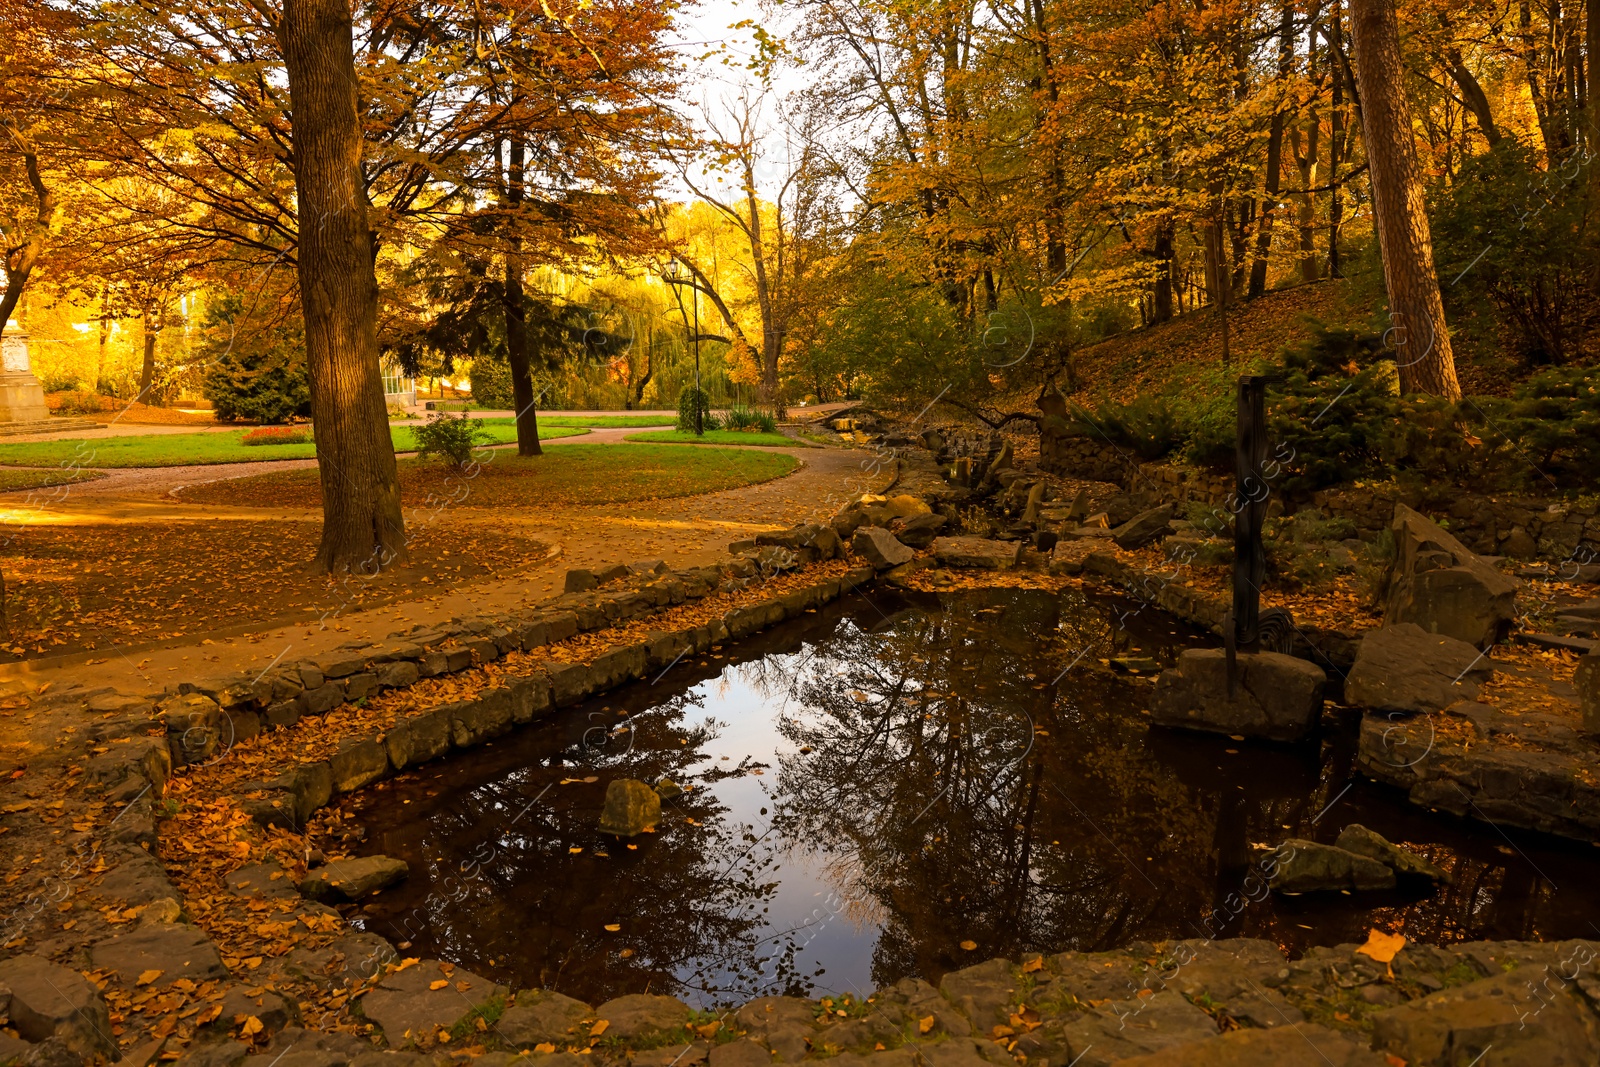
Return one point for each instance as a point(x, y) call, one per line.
point(631, 808)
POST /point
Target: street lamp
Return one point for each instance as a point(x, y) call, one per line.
point(670, 273)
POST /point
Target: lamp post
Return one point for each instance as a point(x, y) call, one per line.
point(670, 274)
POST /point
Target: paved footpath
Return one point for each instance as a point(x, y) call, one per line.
point(685, 532)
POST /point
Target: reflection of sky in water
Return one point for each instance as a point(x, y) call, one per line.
point(831, 940)
point(957, 790)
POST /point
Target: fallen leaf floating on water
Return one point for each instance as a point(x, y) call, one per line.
point(613, 927)
point(574, 850)
point(626, 953)
point(969, 945)
point(1382, 946)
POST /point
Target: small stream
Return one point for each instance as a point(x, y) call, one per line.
point(878, 786)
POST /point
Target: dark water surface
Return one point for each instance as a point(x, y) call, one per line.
point(889, 778)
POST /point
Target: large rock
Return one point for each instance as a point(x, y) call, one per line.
point(1404, 668)
point(1302, 866)
point(544, 1016)
point(880, 548)
point(872, 510)
point(1304, 1045)
point(1373, 845)
point(1529, 1016)
point(352, 879)
point(1143, 528)
point(632, 807)
point(1275, 696)
point(1438, 584)
point(172, 950)
point(640, 1014)
point(407, 1007)
point(920, 531)
point(977, 552)
point(48, 1000)
point(1126, 1028)
point(359, 761)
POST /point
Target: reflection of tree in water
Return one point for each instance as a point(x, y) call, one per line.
point(500, 882)
point(970, 789)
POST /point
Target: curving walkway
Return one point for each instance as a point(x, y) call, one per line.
point(685, 532)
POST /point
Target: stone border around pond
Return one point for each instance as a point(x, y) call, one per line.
point(1215, 1001)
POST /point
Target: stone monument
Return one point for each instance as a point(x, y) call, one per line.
point(21, 395)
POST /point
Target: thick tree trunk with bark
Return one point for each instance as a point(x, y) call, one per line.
point(1420, 335)
point(517, 314)
point(362, 525)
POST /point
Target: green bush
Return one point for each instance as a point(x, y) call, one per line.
point(687, 401)
point(743, 418)
point(1520, 237)
point(491, 383)
point(59, 382)
point(451, 437)
point(254, 369)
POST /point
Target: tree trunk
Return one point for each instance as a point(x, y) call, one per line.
point(22, 256)
point(1473, 96)
point(362, 525)
point(1306, 161)
point(1420, 335)
point(527, 413)
point(1336, 141)
point(1274, 175)
point(1163, 250)
point(105, 332)
point(150, 326)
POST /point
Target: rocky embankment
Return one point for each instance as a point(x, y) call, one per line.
point(1222, 1002)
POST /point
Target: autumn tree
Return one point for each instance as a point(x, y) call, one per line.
point(1420, 334)
point(782, 237)
point(362, 526)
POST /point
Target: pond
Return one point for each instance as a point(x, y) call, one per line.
point(904, 785)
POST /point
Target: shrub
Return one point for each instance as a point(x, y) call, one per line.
point(257, 370)
point(1147, 426)
point(749, 419)
point(687, 401)
point(277, 435)
point(491, 383)
point(453, 438)
point(78, 402)
point(1486, 227)
point(59, 382)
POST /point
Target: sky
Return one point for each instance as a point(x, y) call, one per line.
point(712, 83)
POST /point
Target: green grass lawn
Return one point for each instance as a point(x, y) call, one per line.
point(182, 449)
point(571, 475)
point(716, 437)
point(13, 479)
